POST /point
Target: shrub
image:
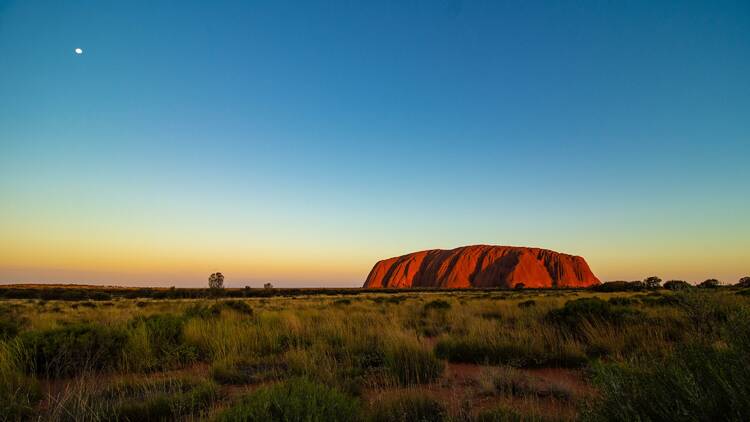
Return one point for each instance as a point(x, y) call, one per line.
point(699, 383)
point(10, 323)
point(619, 286)
point(166, 344)
point(410, 363)
point(167, 402)
point(410, 406)
point(238, 306)
point(437, 304)
point(711, 283)
point(202, 311)
point(652, 282)
point(73, 349)
point(677, 285)
point(744, 282)
point(507, 352)
point(18, 396)
point(527, 303)
point(246, 372)
point(622, 301)
point(575, 312)
point(294, 400)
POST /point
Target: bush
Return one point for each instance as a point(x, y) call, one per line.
point(652, 282)
point(238, 306)
point(10, 323)
point(437, 304)
point(19, 396)
point(240, 373)
point(702, 380)
point(527, 303)
point(166, 340)
point(411, 364)
point(622, 301)
point(160, 406)
point(699, 384)
point(73, 349)
point(619, 286)
point(575, 312)
point(677, 285)
point(408, 407)
point(744, 282)
point(711, 283)
point(507, 352)
point(294, 400)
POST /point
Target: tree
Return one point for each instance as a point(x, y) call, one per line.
point(268, 286)
point(744, 282)
point(519, 286)
point(652, 282)
point(711, 283)
point(216, 281)
point(676, 285)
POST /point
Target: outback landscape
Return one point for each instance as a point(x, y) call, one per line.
point(617, 351)
point(374, 211)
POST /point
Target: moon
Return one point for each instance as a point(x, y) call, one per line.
point(79, 51)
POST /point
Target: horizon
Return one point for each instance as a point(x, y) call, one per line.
point(301, 144)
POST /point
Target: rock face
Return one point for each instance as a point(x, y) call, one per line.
point(482, 266)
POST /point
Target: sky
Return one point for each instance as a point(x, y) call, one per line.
point(299, 142)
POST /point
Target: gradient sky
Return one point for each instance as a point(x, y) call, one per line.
point(300, 142)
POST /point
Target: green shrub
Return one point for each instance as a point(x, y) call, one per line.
point(246, 372)
point(701, 381)
point(677, 285)
point(472, 350)
point(437, 304)
point(73, 349)
point(238, 306)
point(410, 363)
point(202, 311)
point(711, 283)
point(19, 396)
point(166, 340)
point(10, 323)
point(294, 400)
point(622, 301)
point(408, 407)
point(575, 312)
point(192, 398)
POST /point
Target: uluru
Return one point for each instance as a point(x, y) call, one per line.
point(482, 266)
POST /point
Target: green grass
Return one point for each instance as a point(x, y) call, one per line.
point(294, 400)
point(648, 355)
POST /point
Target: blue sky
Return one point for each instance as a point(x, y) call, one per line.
point(300, 143)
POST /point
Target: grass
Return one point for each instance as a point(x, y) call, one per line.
point(646, 355)
point(294, 400)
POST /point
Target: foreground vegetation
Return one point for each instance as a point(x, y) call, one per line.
point(402, 356)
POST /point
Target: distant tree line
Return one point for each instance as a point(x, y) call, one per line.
point(654, 282)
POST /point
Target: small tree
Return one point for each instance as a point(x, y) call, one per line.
point(268, 286)
point(652, 282)
point(711, 283)
point(744, 282)
point(216, 281)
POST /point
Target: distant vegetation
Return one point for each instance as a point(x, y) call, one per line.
point(633, 351)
